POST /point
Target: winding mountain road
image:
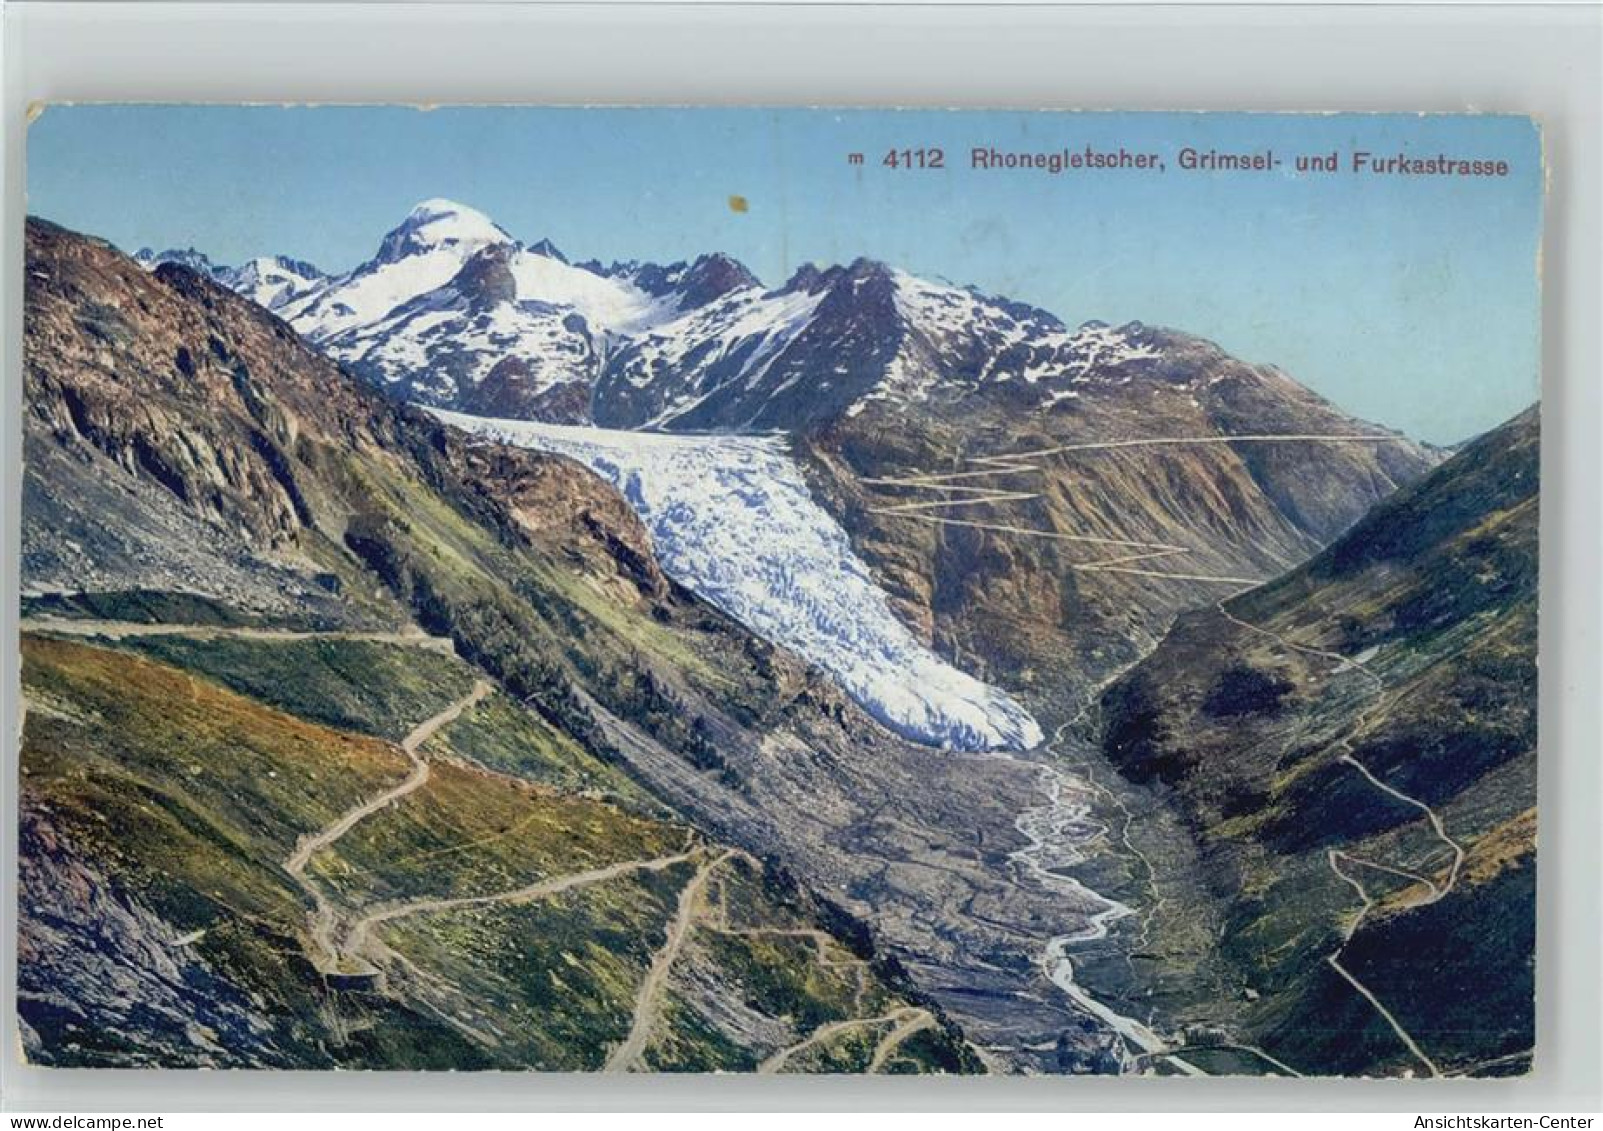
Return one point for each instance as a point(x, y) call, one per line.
point(1335, 857)
point(1022, 463)
point(1435, 891)
point(904, 1022)
point(913, 1021)
point(122, 630)
point(626, 1056)
point(1334, 960)
point(1231, 1046)
point(324, 915)
point(356, 939)
point(1343, 663)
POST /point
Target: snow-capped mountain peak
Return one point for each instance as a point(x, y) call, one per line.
point(269, 280)
point(272, 280)
point(711, 277)
point(860, 272)
point(438, 223)
point(548, 249)
point(453, 311)
point(421, 254)
point(955, 340)
point(687, 285)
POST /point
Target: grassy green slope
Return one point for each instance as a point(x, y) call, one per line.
point(178, 799)
point(501, 735)
point(167, 803)
point(369, 687)
point(468, 833)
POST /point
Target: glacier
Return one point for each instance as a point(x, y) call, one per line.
point(733, 521)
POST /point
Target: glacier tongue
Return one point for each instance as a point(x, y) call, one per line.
point(732, 520)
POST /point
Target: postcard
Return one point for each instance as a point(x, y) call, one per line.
point(780, 591)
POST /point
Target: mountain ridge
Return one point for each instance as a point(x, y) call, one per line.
point(699, 344)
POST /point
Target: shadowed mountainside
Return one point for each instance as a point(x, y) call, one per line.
point(1354, 745)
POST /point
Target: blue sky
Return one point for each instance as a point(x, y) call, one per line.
point(1412, 301)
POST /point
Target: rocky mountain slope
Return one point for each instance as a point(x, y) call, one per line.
point(1052, 525)
point(290, 552)
point(1354, 748)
